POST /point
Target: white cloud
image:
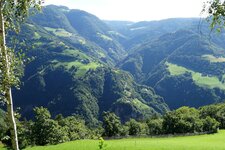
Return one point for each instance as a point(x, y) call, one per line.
point(136, 10)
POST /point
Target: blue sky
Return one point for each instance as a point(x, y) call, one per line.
point(135, 10)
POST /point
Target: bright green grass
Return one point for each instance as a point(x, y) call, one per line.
point(84, 68)
point(2, 147)
point(213, 59)
point(201, 142)
point(59, 32)
point(80, 62)
point(81, 68)
point(210, 82)
point(176, 70)
point(139, 104)
point(204, 81)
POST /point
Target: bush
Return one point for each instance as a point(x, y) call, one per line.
point(75, 128)
point(134, 127)
point(214, 111)
point(182, 120)
point(111, 124)
point(155, 126)
point(46, 130)
point(210, 125)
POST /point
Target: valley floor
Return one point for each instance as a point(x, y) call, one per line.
point(201, 142)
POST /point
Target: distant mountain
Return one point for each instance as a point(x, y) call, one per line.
point(73, 69)
point(184, 67)
point(141, 32)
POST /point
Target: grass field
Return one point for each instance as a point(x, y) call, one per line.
point(213, 59)
point(200, 142)
point(81, 68)
point(203, 81)
point(59, 32)
point(1, 147)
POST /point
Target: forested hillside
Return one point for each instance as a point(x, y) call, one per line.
point(83, 65)
point(72, 71)
point(185, 67)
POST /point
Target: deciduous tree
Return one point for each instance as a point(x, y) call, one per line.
point(111, 124)
point(215, 10)
point(12, 13)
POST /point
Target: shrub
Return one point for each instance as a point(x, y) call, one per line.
point(155, 126)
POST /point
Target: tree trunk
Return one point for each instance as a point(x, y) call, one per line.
point(6, 84)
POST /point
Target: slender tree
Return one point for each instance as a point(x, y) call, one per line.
point(12, 13)
point(215, 10)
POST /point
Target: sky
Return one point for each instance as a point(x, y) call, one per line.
point(135, 10)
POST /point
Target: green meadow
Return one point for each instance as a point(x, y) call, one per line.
point(198, 142)
point(59, 32)
point(213, 59)
point(201, 80)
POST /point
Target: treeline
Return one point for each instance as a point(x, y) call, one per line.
point(184, 120)
point(44, 130)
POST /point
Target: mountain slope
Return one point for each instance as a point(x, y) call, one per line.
point(81, 24)
point(185, 68)
point(73, 73)
point(145, 31)
point(79, 63)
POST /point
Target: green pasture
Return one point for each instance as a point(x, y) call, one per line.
point(200, 79)
point(198, 142)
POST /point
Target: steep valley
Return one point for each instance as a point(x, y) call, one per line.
point(83, 65)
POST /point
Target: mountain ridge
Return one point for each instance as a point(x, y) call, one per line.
point(86, 66)
point(74, 72)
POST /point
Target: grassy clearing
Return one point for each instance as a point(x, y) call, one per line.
point(204, 81)
point(81, 68)
point(213, 59)
point(104, 37)
point(84, 68)
point(201, 142)
point(139, 104)
point(75, 53)
point(176, 70)
point(59, 32)
point(80, 62)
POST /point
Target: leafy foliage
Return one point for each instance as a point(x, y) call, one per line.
point(3, 125)
point(155, 126)
point(111, 124)
point(215, 9)
point(46, 130)
point(134, 127)
point(187, 120)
